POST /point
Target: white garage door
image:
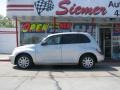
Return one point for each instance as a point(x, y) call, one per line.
point(7, 40)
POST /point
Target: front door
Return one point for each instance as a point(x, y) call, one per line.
point(50, 52)
point(105, 41)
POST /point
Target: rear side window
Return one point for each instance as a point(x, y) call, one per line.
point(74, 38)
point(82, 38)
point(68, 39)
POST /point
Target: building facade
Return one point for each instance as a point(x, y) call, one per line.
point(37, 18)
point(7, 40)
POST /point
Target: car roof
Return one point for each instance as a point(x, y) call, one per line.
point(69, 33)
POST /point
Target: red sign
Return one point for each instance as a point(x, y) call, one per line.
point(65, 25)
point(77, 10)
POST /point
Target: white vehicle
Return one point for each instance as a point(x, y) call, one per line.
point(61, 48)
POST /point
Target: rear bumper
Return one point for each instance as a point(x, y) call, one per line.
point(100, 57)
point(12, 59)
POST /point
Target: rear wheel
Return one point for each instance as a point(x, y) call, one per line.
point(24, 61)
point(87, 61)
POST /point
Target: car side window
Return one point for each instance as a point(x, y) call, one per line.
point(74, 39)
point(68, 39)
point(82, 38)
point(53, 40)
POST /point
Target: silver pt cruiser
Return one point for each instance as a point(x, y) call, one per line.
point(61, 48)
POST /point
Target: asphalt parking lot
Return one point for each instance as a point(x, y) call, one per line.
point(102, 77)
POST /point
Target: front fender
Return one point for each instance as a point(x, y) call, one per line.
point(29, 51)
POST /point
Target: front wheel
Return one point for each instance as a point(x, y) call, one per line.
point(24, 61)
point(87, 61)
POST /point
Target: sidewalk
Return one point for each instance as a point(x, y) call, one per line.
point(4, 57)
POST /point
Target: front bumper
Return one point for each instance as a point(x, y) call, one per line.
point(12, 59)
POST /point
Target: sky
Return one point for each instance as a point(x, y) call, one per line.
point(3, 7)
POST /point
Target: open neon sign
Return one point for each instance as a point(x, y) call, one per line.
point(41, 27)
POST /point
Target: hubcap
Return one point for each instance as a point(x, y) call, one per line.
point(23, 62)
point(88, 62)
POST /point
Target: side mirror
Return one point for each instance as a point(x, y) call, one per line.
point(44, 43)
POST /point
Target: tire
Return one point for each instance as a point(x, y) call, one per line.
point(24, 61)
point(87, 61)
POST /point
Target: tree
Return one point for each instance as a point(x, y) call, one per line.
point(6, 22)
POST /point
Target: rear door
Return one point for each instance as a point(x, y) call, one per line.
point(70, 48)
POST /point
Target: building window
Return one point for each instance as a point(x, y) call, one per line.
point(116, 41)
point(89, 28)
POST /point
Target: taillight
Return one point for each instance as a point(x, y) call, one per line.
point(98, 50)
